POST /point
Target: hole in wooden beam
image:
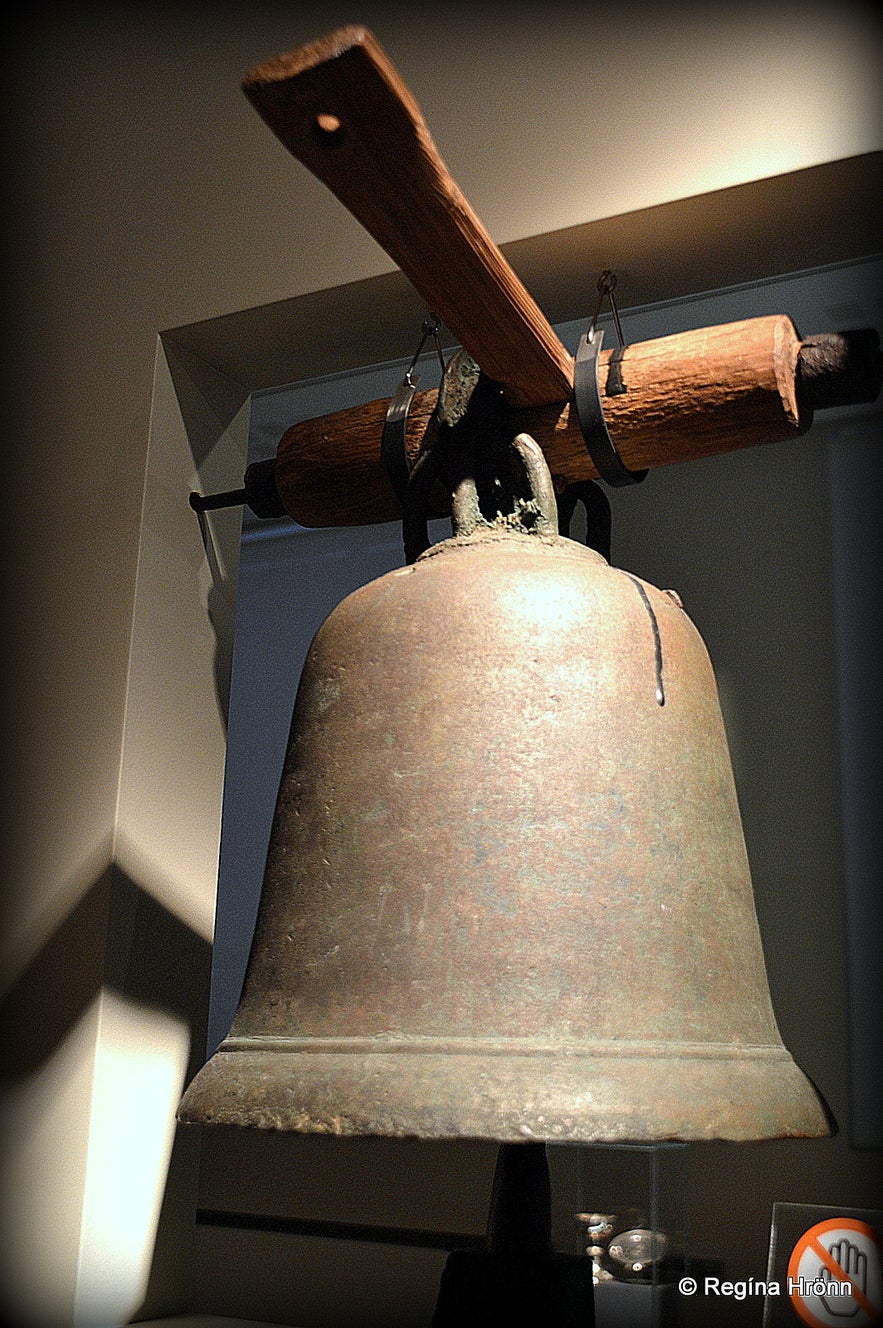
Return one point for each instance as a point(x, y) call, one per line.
point(328, 129)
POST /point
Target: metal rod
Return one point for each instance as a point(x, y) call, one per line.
point(209, 502)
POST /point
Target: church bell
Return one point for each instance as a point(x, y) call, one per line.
point(507, 894)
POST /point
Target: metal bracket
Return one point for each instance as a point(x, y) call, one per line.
point(590, 411)
point(597, 509)
point(393, 448)
point(393, 452)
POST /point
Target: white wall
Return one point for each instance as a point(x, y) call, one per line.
point(148, 195)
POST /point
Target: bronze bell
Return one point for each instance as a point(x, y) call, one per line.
point(507, 893)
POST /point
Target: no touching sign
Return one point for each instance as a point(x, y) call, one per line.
point(825, 1267)
point(835, 1274)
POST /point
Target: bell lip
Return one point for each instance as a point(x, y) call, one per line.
point(576, 1098)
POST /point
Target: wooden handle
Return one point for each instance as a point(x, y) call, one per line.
point(689, 395)
point(340, 108)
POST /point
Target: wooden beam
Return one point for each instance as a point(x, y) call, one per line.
point(341, 108)
point(689, 395)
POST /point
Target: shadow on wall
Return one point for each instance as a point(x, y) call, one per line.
point(121, 986)
point(209, 400)
point(152, 959)
point(56, 989)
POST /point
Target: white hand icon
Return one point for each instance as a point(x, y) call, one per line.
point(854, 1263)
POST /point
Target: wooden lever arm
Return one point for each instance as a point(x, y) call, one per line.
point(341, 109)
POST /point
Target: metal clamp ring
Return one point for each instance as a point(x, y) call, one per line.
point(590, 412)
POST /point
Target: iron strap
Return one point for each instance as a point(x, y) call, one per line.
point(393, 440)
point(393, 449)
point(590, 411)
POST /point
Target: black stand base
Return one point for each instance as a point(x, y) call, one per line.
point(482, 1290)
point(517, 1282)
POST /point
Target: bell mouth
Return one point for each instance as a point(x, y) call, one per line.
point(507, 1090)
